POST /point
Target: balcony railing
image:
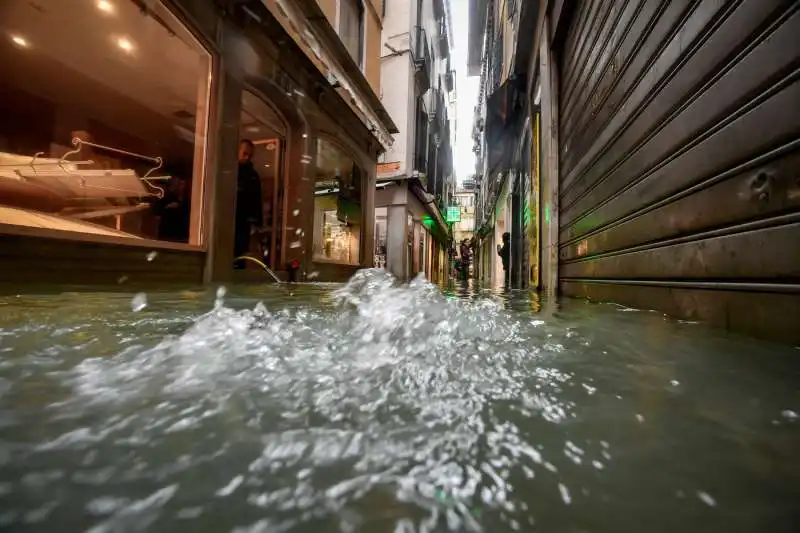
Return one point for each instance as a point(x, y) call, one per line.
point(422, 58)
point(450, 80)
point(496, 67)
point(444, 42)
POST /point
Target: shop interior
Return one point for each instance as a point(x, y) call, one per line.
point(337, 206)
point(103, 117)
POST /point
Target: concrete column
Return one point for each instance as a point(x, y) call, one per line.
point(550, 168)
point(416, 256)
point(220, 185)
point(297, 242)
point(368, 218)
point(517, 260)
point(396, 221)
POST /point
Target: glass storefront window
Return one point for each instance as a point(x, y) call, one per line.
point(337, 206)
point(103, 118)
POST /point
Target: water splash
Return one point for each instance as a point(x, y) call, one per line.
point(381, 407)
point(139, 302)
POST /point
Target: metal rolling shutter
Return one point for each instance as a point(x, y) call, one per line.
point(680, 159)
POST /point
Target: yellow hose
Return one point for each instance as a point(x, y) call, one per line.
point(262, 265)
point(254, 260)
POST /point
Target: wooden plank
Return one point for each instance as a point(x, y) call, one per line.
point(766, 315)
point(765, 188)
point(755, 251)
point(651, 139)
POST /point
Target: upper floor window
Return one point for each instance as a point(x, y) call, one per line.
point(351, 28)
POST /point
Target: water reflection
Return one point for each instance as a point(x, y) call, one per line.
point(378, 407)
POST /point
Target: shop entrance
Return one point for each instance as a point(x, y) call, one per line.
point(265, 128)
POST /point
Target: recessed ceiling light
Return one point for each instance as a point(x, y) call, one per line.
point(125, 44)
point(105, 6)
point(19, 41)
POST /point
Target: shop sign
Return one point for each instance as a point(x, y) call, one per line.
point(453, 214)
point(388, 170)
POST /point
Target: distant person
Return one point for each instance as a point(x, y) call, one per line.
point(173, 211)
point(249, 214)
point(504, 252)
point(466, 258)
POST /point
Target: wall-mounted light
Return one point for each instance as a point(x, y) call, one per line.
point(305, 136)
point(105, 6)
point(20, 41)
point(125, 44)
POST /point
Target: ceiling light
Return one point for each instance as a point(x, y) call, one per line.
point(105, 6)
point(305, 136)
point(19, 41)
point(125, 44)
point(252, 129)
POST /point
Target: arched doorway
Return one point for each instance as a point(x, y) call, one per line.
point(266, 128)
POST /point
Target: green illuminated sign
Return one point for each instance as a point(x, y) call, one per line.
point(453, 214)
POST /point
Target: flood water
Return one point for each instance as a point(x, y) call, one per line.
point(378, 408)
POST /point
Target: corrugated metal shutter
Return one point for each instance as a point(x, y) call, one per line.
point(680, 159)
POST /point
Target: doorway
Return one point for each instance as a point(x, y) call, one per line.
point(265, 128)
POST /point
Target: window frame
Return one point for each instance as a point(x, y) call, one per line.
point(199, 229)
point(362, 19)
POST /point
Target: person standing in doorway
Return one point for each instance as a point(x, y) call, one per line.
point(504, 252)
point(249, 213)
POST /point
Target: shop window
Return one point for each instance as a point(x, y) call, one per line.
point(260, 125)
point(337, 206)
point(103, 118)
point(351, 28)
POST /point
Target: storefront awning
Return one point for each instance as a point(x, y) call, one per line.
point(503, 111)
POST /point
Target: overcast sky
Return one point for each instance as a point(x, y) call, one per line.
point(466, 91)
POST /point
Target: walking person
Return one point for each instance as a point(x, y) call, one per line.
point(466, 257)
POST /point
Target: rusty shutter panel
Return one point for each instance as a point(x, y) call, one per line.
point(679, 159)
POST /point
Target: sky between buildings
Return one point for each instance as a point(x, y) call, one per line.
point(466, 92)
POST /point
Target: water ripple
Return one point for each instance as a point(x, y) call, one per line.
point(378, 407)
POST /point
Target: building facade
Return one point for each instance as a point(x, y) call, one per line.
point(120, 130)
point(415, 178)
point(642, 152)
point(464, 229)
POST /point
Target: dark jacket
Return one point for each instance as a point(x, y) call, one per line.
point(174, 218)
point(248, 198)
point(505, 255)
